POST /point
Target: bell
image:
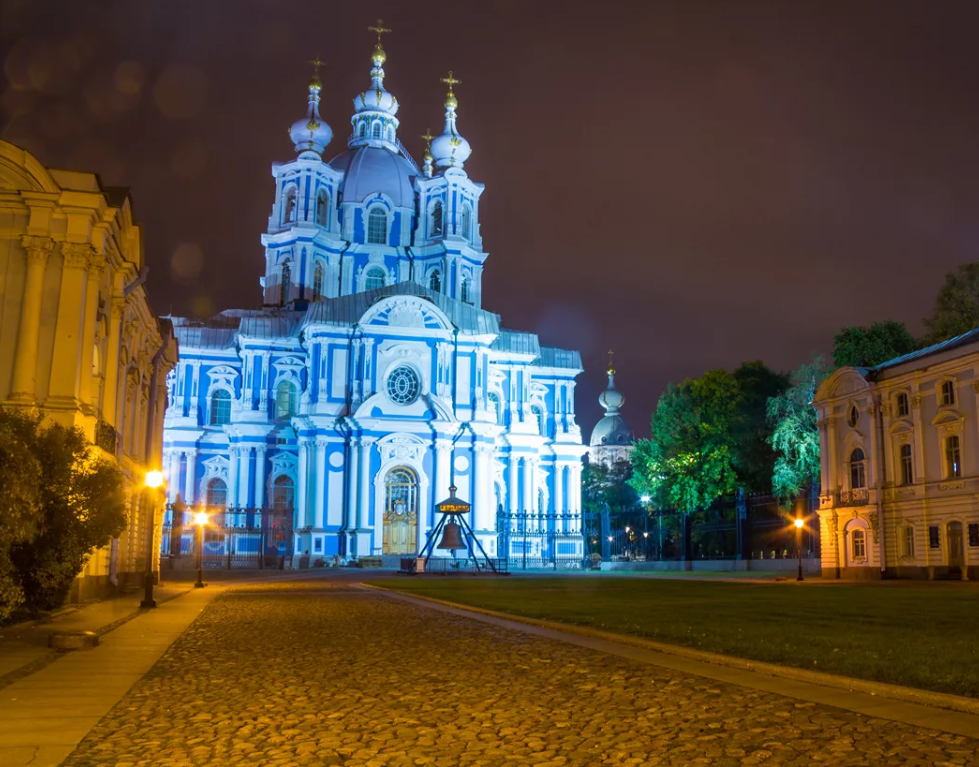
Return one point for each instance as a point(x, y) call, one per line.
point(451, 537)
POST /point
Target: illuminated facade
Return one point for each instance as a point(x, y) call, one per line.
point(77, 337)
point(611, 439)
point(372, 377)
point(899, 458)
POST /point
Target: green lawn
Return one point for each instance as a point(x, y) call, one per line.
point(923, 635)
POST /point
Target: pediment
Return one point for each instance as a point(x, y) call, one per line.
point(409, 312)
point(947, 416)
point(844, 382)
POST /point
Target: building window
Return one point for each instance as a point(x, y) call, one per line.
point(283, 494)
point(362, 131)
point(435, 281)
point(494, 405)
point(948, 393)
point(853, 417)
point(286, 282)
point(322, 207)
point(467, 222)
point(464, 290)
point(374, 278)
point(953, 457)
point(217, 493)
point(377, 226)
point(220, 407)
point(903, 406)
point(318, 280)
point(376, 130)
point(539, 415)
point(858, 472)
point(907, 541)
point(285, 400)
point(289, 211)
point(403, 385)
point(437, 219)
point(858, 545)
point(907, 466)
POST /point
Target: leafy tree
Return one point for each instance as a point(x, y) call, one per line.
point(603, 484)
point(754, 456)
point(956, 305)
point(795, 435)
point(81, 505)
point(867, 347)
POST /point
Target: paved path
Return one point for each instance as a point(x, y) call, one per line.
point(320, 672)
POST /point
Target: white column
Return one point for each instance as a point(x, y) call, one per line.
point(528, 486)
point(260, 476)
point(559, 510)
point(319, 499)
point(302, 494)
point(96, 263)
point(171, 468)
point(484, 512)
point(513, 483)
point(233, 476)
point(363, 510)
point(352, 478)
point(574, 492)
point(190, 480)
point(244, 475)
point(24, 386)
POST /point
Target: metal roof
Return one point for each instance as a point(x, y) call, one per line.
point(517, 342)
point(347, 310)
point(971, 336)
point(550, 357)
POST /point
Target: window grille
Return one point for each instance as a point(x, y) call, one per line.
point(953, 458)
point(907, 466)
point(858, 472)
point(377, 227)
point(948, 393)
point(217, 493)
point(285, 400)
point(220, 407)
point(374, 279)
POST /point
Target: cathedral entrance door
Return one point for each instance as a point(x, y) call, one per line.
point(400, 510)
point(956, 554)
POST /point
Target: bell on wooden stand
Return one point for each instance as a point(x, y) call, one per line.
point(452, 536)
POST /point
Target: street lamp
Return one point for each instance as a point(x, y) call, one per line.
point(200, 518)
point(799, 524)
point(153, 481)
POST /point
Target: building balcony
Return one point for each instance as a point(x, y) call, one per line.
point(858, 497)
point(106, 437)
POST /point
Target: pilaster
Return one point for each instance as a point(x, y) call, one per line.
point(23, 388)
point(66, 364)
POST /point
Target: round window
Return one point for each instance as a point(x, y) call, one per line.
point(854, 416)
point(403, 385)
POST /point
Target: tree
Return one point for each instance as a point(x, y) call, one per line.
point(603, 485)
point(956, 305)
point(795, 435)
point(855, 346)
point(81, 505)
point(754, 456)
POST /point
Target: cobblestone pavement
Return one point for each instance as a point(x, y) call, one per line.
point(321, 673)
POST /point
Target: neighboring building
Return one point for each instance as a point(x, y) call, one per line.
point(899, 454)
point(77, 336)
point(611, 439)
point(372, 378)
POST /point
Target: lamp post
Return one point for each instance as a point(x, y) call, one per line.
point(152, 482)
point(201, 519)
point(799, 524)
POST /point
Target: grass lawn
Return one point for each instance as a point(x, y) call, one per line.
point(923, 635)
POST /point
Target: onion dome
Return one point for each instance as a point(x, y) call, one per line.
point(612, 428)
point(311, 135)
point(374, 122)
point(450, 150)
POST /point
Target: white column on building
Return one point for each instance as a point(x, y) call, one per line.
point(319, 499)
point(260, 476)
point(513, 489)
point(528, 489)
point(363, 509)
point(483, 510)
point(353, 486)
point(233, 453)
point(244, 475)
point(67, 338)
point(190, 478)
point(574, 490)
point(302, 493)
point(24, 384)
point(560, 512)
point(96, 263)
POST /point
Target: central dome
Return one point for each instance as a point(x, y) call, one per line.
point(369, 170)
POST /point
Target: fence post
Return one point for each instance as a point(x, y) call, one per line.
point(744, 533)
point(685, 563)
point(606, 530)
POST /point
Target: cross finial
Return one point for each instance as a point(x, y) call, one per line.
point(317, 63)
point(611, 367)
point(427, 135)
point(451, 80)
point(380, 29)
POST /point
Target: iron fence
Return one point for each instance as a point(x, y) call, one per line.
point(540, 541)
point(234, 538)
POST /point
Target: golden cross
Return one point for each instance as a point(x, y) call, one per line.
point(451, 80)
point(379, 29)
point(428, 136)
point(317, 63)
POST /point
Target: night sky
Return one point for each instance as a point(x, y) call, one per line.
point(691, 183)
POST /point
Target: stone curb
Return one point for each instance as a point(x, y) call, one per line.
point(880, 689)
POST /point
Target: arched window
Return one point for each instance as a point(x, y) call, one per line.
point(464, 290)
point(217, 493)
point(907, 466)
point(220, 407)
point(285, 400)
point(286, 282)
point(317, 280)
point(858, 472)
point(377, 226)
point(539, 415)
point(289, 212)
point(362, 131)
point(376, 131)
point(374, 278)
point(494, 404)
point(435, 281)
point(467, 222)
point(858, 544)
point(283, 494)
point(953, 457)
point(322, 207)
point(390, 134)
point(437, 217)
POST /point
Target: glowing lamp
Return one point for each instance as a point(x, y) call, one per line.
point(645, 499)
point(799, 522)
point(153, 479)
point(611, 538)
point(201, 518)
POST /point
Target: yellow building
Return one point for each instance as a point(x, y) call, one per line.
point(77, 336)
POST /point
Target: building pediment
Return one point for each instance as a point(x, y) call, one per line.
point(844, 382)
point(408, 312)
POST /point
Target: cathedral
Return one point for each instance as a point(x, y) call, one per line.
point(372, 380)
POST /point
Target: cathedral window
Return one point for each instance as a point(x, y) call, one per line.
point(390, 134)
point(467, 222)
point(220, 408)
point(858, 471)
point(377, 226)
point(289, 213)
point(403, 385)
point(322, 207)
point(376, 130)
point(286, 282)
point(217, 493)
point(285, 400)
point(318, 280)
point(437, 217)
point(435, 281)
point(464, 290)
point(374, 278)
point(362, 131)
point(283, 494)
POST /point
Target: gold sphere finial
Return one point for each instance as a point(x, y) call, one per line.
point(427, 135)
point(379, 56)
point(450, 99)
point(314, 81)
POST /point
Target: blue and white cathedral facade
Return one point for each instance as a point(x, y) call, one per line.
point(372, 378)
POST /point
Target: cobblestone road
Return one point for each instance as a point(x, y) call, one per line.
point(319, 673)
